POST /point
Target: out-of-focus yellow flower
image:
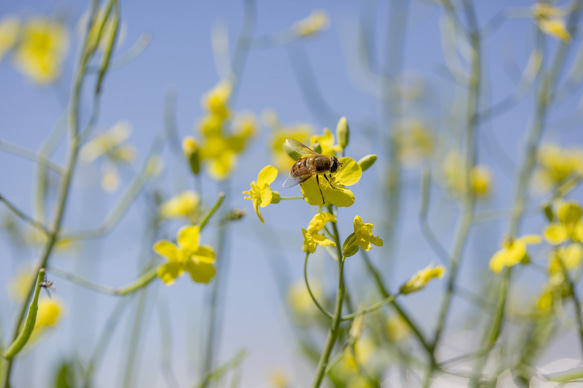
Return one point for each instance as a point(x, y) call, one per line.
point(183, 205)
point(9, 28)
point(299, 298)
point(324, 144)
point(568, 224)
point(421, 278)
point(549, 20)
point(188, 256)
point(279, 379)
point(513, 252)
point(397, 328)
point(49, 314)
point(41, 48)
point(216, 101)
point(335, 191)
point(557, 165)
point(364, 349)
point(570, 257)
point(315, 22)
point(299, 132)
point(312, 237)
point(19, 286)
point(362, 237)
point(261, 193)
point(414, 142)
point(454, 171)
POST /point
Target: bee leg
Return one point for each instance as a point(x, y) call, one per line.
point(331, 185)
point(320, 188)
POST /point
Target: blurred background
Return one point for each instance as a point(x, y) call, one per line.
point(168, 55)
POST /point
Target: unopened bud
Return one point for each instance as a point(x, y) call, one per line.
point(350, 246)
point(191, 153)
point(367, 161)
point(275, 197)
point(342, 132)
point(235, 215)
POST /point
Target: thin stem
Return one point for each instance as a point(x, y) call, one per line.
point(212, 211)
point(25, 217)
point(31, 155)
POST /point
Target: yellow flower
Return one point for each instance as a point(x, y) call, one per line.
point(548, 19)
point(41, 49)
point(110, 145)
point(314, 23)
point(454, 171)
point(9, 28)
point(557, 165)
point(513, 252)
point(50, 311)
point(569, 255)
point(362, 237)
point(312, 238)
point(216, 101)
point(364, 349)
point(414, 142)
point(325, 143)
point(569, 225)
point(334, 192)
point(421, 278)
point(188, 256)
point(183, 205)
point(396, 328)
point(260, 192)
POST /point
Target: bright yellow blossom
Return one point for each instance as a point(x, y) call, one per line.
point(312, 238)
point(41, 49)
point(570, 257)
point(335, 191)
point(421, 278)
point(260, 192)
point(50, 311)
point(567, 226)
point(188, 256)
point(362, 237)
point(513, 252)
point(549, 20)
point(325, 143)
point(185, 204)
point(299, 132)
point(216, 101)
point(317, 21)
point(9, 28)
point(556, 165)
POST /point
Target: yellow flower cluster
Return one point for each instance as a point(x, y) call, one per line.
point(454, 173)
point(362, 237)
point(421, 278)
point(312, 236)
point(549, 19)
point(39, 46)
point(513, 252)
point(183, 205)
point(556, 165)
point(219, 149)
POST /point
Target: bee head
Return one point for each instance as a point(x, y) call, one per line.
point(335, 164)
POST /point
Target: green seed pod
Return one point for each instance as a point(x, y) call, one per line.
point(367, 161)
point(342, 132)
point(192, 154)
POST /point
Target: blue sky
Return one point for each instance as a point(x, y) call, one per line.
point(180, 60)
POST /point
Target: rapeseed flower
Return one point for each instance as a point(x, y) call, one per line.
point(549, 19)
point(513, 252)
point(216, 101)
point(317, 21)
point(567, 226)
point(188, 256)
point(312, 237)
point(556, 165)
point(421, 278)
point(568, 256)
point(49, 314)
point(324, 144)
point(335, 191)
point(362, 237)
point(300, 132)
point(261, 193)
point(183, 205)
point(455, 176)
point(41, 49)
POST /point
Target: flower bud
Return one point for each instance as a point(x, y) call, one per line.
point(342, 132)
point(350, 246)
point(191, 153)
point(367, 161)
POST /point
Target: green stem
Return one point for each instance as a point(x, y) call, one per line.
point(212, 211)
point(24, 217)
point(31, 155)
point(337, 317)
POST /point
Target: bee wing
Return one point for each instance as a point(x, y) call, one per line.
point(291, 181)
point(298, 147)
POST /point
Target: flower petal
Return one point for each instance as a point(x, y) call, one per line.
point(266, 195)
point(349, 173)
point(530, 239)
point(205, 254)
point(498, 261)
point(170, 271)
point(201, 272)
point(167, 249)
point(555, 233)
point(339, 196)
point(189, 237)
point(267, 175)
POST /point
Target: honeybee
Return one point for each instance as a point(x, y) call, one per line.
point(48, 285)
point(311, 163)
